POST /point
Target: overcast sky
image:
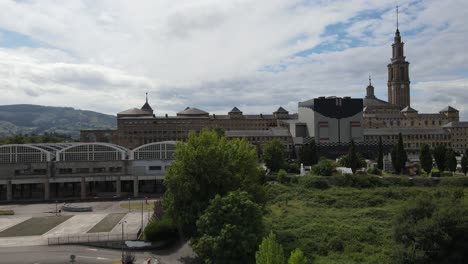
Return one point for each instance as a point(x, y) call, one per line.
point(212, 54)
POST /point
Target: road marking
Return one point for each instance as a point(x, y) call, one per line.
point(98, 258)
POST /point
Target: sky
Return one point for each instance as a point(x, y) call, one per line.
point(104, 55)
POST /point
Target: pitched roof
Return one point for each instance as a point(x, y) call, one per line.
point(235, 110)
point(134, 111)
point(449, 109)
point(146, 107)
point(281, 110)
point(192, 111)
point(408, 109)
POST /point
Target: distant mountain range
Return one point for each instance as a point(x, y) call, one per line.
point(36, 119)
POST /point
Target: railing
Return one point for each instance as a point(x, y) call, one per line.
point(91, 237)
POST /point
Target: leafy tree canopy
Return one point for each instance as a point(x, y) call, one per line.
point(229, 230)
point(439, 156)
point(274, 155)
point(270, 251)
point(425, 158)
point(205, 166)
point(297, 257)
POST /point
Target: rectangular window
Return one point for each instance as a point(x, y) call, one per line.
point(115, 169)
point(82, 170)
point(155, 168)
point(323, 131)
point(39, 171)
point(99, 170)
point(65, 171)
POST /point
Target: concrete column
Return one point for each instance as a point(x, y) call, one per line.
point(9, 191)
point(83, 188)
point(118, 187)
point(46, 190)
point(135, 186)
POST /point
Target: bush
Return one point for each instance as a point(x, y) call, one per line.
point(314, 182)
point(435, 173)
point(447, 174)
point(161, 230)
point(7, 212)
point(293, 168)
point(324, 168)
point(281, 176)
point(374, 170)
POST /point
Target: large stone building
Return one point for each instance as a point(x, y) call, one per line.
point(136, 127)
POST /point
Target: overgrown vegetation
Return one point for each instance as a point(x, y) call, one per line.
point(355, 224)
point(161, 230)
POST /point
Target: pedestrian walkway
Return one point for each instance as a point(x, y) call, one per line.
point(8, 221)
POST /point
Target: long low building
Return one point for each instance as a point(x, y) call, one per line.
point(82, 170)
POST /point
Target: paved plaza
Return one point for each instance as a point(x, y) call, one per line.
point(77, 225)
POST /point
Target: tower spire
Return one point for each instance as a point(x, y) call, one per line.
point(146, 97)
point(370, 80)
point(397, 17)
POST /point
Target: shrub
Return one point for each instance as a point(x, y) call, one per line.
point(161, 230)
point(314, 182)
point(374, 170)
point(324, 168)
point(435, 173)
point(293, 168)
point(7, 212)
point(281, 176)
point(447, 174)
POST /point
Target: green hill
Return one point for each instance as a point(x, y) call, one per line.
point(36, 119)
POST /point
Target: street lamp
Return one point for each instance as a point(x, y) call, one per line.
point(123, 244)
point(141, 215)
point(56, 208)
point(129, 210)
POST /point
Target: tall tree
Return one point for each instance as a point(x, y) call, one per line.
point(297, 257)
point(205, 166)
point(229, 230)
point(450, 160)
point(308, 154)
point(425, 157)
point(274, 155)
point(352, 160)
point(439, 156)
point(400, 156)
point(270, 251)
point(380, 155)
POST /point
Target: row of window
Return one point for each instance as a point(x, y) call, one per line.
point(89, 170)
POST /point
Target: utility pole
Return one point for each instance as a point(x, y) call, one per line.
point(141, 215)
point(129, 208)
point(56, 208)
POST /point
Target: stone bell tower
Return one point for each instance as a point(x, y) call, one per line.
point(398, 74)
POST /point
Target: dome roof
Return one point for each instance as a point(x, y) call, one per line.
point(192, 112)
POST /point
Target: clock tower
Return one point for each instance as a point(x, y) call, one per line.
point(398, 74)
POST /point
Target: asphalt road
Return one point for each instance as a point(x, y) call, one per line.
point(61, 254)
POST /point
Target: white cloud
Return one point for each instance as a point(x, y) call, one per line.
point(103, 55)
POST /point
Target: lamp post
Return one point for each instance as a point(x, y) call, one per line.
point(129, 210)
point(56, 208)
point(123, 244)
point(141, 215)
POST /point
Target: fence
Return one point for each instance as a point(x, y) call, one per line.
point(91, 237)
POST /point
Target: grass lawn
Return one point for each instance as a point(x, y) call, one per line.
point(34, 226)
point(340, 224)
point(7, 212)
point(136, 206)
point(107, 223)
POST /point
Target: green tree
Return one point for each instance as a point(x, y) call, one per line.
point(205, 166)
point(309, 154)
point(425, 157)
point(270, 251)
point(229, 230)
point(297, 257)
point(439, 156)
point(274, 155)
point(430, 230)
point(464, 163)
point(399, 161)
point(450, 160)
point(380, 155)
point(352, 160)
